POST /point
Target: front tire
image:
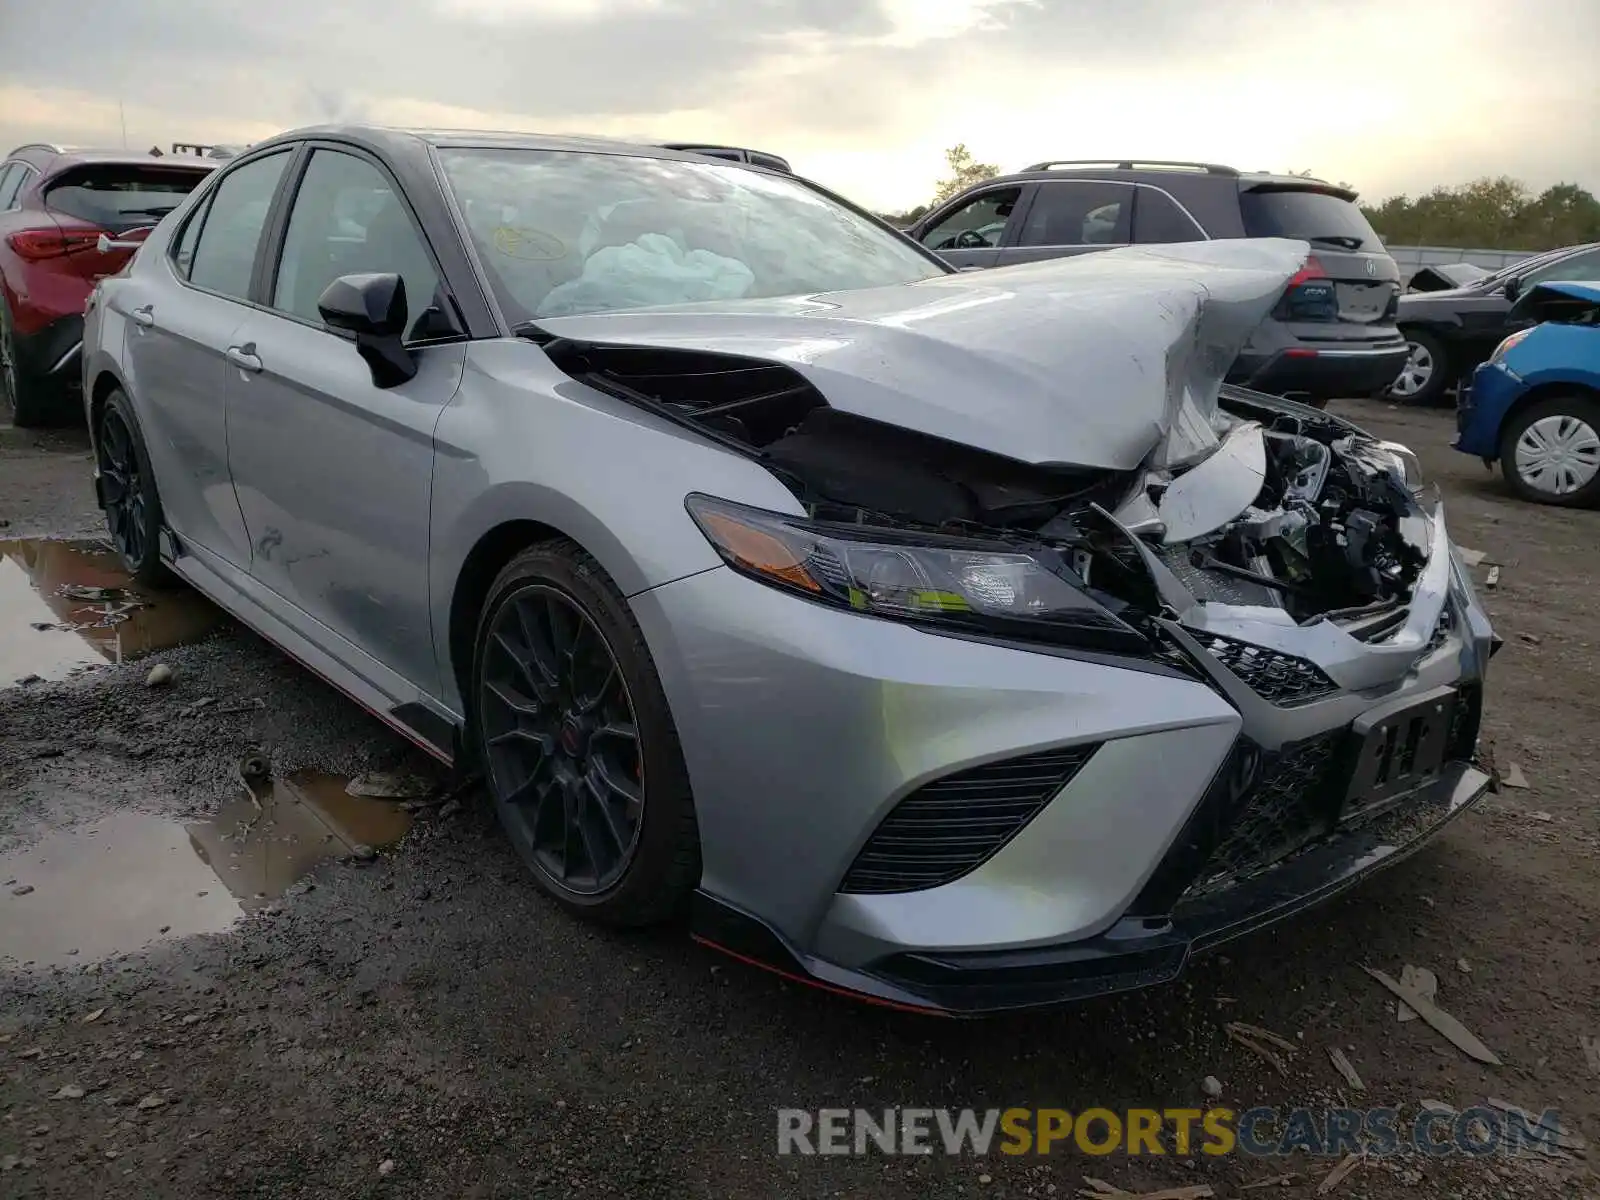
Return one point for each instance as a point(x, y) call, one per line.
point(1426, 375)
point(579, 750)
point(1550, 451)
point(128, 491)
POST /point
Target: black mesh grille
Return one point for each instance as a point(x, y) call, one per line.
point(950, 826)
point(1289, 805)
point(1279, 678)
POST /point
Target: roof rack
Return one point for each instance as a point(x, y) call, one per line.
point(1133, 165)
point(50, 146)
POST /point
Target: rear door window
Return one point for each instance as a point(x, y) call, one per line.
point(1158, 219)
point(1306, 215)
point(975, 225)
point(1079, 213)
point(121, 196)
point(10, 183)
point(225, 257)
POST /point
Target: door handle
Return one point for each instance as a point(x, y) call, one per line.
point(144, 317)
point(243, 357)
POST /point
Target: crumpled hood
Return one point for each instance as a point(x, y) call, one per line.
point(1108, 359)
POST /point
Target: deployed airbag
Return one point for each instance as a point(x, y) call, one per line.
point(652, 269)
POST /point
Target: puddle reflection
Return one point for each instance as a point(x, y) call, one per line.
point(130, 879)
point(66, 605)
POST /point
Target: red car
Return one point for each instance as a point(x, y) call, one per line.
point(54, 205)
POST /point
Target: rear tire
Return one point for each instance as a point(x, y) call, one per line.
point(1427, 373)
point(30, 399)
point(1550, 451)
point(579, 751)
point(130, 500)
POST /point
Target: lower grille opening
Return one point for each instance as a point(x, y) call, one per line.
point(951, 826)
point(1293, 801)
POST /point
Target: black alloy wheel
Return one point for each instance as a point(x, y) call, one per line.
point(562, 740)
point(128, 491)
point(578, 748)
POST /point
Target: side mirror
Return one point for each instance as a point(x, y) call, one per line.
point(1513, 288)
point(372, 309)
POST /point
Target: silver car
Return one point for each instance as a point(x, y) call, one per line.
point(956, 641)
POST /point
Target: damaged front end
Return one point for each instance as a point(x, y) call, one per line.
point(1275, 553)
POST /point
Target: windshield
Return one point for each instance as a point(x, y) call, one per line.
point(1308, 216)
point(562, 233)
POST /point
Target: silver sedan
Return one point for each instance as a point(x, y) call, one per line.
point(954, 640)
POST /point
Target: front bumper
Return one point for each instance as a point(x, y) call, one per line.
point(1135, 953)
point(806, 729)
point(1481, 408)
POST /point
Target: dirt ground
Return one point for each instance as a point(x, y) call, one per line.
point(355, 1015)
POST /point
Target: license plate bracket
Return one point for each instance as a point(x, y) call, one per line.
point(1400, 748)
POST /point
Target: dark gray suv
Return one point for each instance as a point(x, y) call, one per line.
point(1333, 333)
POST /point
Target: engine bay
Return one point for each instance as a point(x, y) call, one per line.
point(1309, 514)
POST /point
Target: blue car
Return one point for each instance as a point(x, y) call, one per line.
point(1535, 405)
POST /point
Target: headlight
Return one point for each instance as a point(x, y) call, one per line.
point(978, 586)
point(1506, 344)
point(1404, 458)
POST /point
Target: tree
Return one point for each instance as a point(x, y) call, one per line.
point(964, 172)
point(1492, 213)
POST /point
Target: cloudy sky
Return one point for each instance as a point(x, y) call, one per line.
point(863, 95)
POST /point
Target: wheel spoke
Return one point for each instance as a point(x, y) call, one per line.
point(542, 693)
point(617, 782)
point(521, 735)
point(599, 861)
point(599, 801)
point(541, 656)
point(621, 730)
point(590, 703)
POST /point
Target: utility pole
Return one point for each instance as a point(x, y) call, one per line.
point(123, 118)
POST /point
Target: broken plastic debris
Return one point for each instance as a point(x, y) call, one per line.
point(1423, 980)
point(1255, 1039)
point(1514, 778)
point(1441, 1021)
point(1338, 1174)
point(1099, 1189)
point(1471, 557)
point(1591, 1051)
point(1493, 581)
point(1345, 1068)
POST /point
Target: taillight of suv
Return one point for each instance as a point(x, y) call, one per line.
point(36, 245)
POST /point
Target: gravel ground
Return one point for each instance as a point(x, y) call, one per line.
point(420, 1023)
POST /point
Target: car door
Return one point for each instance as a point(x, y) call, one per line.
point(181, 320)
point(969, 233)
point(1071, 216)
point(333, 473)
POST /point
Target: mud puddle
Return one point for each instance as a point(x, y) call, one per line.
point(120, 883)
point(68, 605)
